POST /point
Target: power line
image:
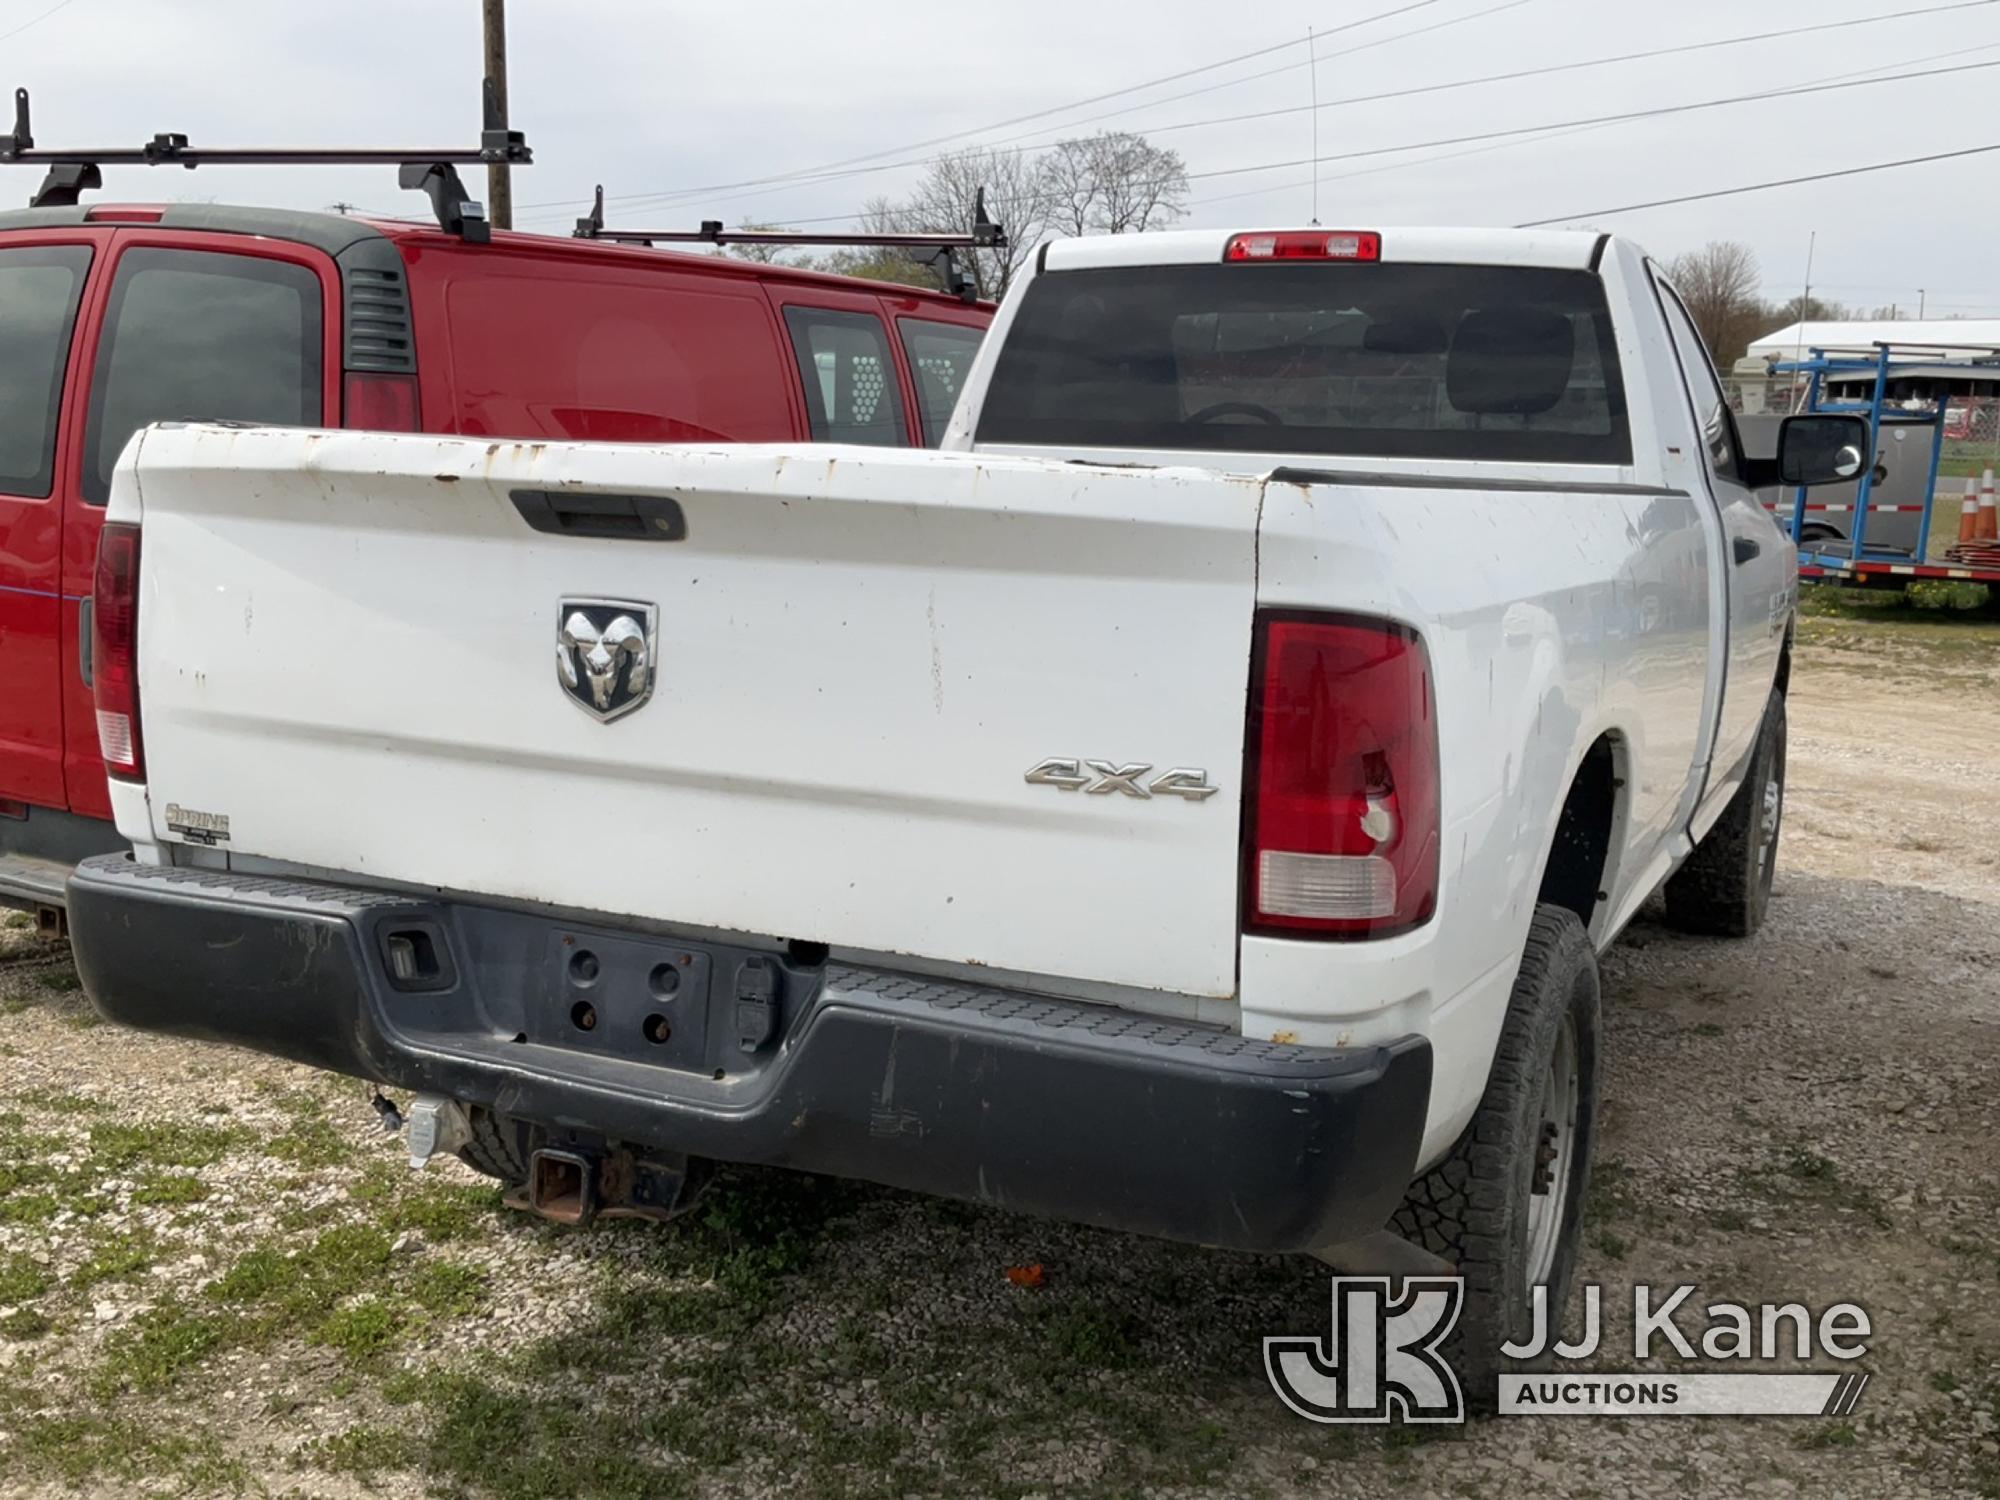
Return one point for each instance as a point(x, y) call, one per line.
point(59, 5)
point(1758, 187)
point(1433, 88)
point(1512, 76)
point(1637, 114)
point(1595, 62)
point(764, 186)
point(1562, 132)
point(1015, 119)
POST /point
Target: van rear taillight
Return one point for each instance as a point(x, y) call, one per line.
point(380, 403)
point(114, 651)
point(1342, 825)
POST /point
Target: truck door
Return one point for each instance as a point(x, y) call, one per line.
point(44, 276)
point(1754, 555)
point(193, 325)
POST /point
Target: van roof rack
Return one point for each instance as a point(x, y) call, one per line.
point(432, 172)
point(986, 234)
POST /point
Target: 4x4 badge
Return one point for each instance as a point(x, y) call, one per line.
point(1100, 778)
point(607, 653)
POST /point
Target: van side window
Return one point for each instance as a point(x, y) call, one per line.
point(849, 375)
point(1718, 429)
point(40, 287)
point(940, 354)
point(191, 335)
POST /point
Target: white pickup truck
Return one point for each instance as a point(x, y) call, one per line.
point(1193, 805)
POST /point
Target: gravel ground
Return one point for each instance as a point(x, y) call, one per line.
point(216, 1277)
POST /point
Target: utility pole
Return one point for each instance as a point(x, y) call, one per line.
point(1923, 301)
point(499, 185)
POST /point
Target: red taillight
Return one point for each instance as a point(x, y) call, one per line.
point(124, 213)
point(114, 651)
point(381, 403)
point(1305, 244)
point(1343, 816)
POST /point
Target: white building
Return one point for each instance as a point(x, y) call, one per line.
point(1971, 338)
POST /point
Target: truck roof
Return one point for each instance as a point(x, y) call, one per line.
point(1557, 249)
point(332, 233)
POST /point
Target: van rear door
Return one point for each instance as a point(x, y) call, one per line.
point(193, 325)
point(44, 299)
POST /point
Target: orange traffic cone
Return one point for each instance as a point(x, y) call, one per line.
point(1989, 518)
point(1968, 517)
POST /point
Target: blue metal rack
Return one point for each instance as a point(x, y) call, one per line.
point(1859, 564)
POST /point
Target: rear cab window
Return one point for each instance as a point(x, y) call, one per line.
point(852, 391)
point(193, 334)
point(1508, 363)
point(40, 289)
point(940, 354)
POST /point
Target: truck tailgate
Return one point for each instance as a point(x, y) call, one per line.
point(349, 650)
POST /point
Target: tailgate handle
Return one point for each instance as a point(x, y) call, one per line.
point(638, 518)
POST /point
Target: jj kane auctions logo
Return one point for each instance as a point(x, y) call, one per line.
point(1383, 1359)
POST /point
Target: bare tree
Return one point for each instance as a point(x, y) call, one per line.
point(765, 255)
point(1113, 182)
point(884, 262)
point(1719, 284)
point(947, 200)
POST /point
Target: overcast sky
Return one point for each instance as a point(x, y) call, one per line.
point(662, 98)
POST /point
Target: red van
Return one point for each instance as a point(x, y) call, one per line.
point(115, 316)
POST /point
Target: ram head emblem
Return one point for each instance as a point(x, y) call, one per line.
point(606, 654)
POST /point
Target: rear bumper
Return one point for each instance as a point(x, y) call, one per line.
point(1020, 1101)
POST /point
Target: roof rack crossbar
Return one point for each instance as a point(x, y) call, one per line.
point(74, 171)
point(986, 234)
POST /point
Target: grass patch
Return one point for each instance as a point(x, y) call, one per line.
point(159, 1346)
point(169, 1188)
point(21, 1279)
point(25, 1323)
point(59, 1102)
point(113, 1257)
point(313, 1139)
point(448, 1289)
point(360, 1329)
point(363, 1451)
point(73, 1447)
point(1801, 1175)
point(695, 1341)
point(1610, 1244)
point(1827, 1435)
point(118, 1147)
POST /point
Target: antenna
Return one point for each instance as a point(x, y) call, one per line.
point(1312, 67)
point(1799, 353)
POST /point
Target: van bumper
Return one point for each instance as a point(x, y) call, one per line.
point(1007, 1098)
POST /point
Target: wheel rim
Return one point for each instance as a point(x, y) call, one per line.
point(1552, 1169)
point(1770, 814)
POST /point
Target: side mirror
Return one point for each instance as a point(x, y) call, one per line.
point(1822, 449)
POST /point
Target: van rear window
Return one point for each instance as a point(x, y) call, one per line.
point(40, 286)
point(194, 335)
point(1508, 363)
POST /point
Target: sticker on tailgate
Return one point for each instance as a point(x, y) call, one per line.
point(197, 827)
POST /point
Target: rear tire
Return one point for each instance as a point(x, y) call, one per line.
point(498, 1147)
point(1506, 1206)
point(1724, 888)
